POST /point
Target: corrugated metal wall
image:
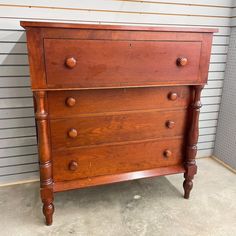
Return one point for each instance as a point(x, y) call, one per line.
point(18, 151)
point(225, 148)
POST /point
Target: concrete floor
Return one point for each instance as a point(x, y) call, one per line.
point(149, 207)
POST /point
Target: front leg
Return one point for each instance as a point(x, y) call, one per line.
point(48, 207)
point(44, 148)
point(190, 163)
point(188, 182)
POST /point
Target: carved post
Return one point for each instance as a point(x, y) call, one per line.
point(46, 182)
point(190, 163)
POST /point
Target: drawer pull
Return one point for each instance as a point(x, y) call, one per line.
point(70, 102)
point(182, 61)
point(172, 96)
point(167, 153)
point(170, 124)
point(73, 165)
point(70, 62)
point(72, 133)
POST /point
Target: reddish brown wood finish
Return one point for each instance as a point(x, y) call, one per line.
point(45, 163)
point(127, 126)
point(113, 63)
point(115, 33)
point(115, 103)
point(190, 163)
point(54, 25)
point(114, 178)
point(116, 100)
point(117, 158)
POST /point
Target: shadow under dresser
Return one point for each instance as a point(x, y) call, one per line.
point(115, 103)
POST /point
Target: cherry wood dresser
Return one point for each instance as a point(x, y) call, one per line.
point(115, 103)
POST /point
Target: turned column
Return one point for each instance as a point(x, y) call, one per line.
point(45, 164)
point(192, 139)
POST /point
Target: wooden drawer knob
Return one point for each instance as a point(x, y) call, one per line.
point(73, 165)
point(72, 133)
point(172, 96)
point(167, 153)
point(70, 102)
point(182, 61)
point(70, 62)
point(170, 124)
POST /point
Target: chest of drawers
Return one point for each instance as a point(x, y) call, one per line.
point(115, 103)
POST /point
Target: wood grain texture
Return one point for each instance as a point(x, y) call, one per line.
point(114, 178)
point(115, 159)
point(174, 12)
point(103, 63)
point(111, 107)
point(115, 100)
point(100, 129)
point(113, 27)
point(193, 132)
point(45, 163)
point(36, 55)
point(138, 45)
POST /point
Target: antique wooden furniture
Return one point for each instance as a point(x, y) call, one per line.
point(115, 103)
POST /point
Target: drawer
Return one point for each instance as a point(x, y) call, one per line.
point(112, 159)
point(73, 103)
point(127, 126)
point(110, 63)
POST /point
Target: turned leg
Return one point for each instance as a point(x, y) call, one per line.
point(48, 207)
point(189, 163)
point(188, 182)
point(188, 185)
point(44, 148)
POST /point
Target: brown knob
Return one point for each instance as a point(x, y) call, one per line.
point(70, 62)
point(73, 165)
point(72, 133)
point(172, 96)
point(167, 153)
point(182, 61)
point(70, 102)
point(170, 124)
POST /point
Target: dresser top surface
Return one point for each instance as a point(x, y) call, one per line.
point(27, 24)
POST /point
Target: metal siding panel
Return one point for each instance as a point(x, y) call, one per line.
point(19, 178)
point(109, 16)
point(18, 169)
point(18, 142)
point(225, 147)
point(18, 160)
point(16, 113)
point(16, 81)
point(160, 7)
point(16, 102)
point(18, 122)
point(7, 59)
point(17, 126)
point(15, 92)
point(17, 132)
point(17, 151)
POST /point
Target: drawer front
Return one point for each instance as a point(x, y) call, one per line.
point(100, 129)
point(72, 103)
point(105, 160)
point(108, 63)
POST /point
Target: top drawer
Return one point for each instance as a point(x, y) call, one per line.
point(110, 63)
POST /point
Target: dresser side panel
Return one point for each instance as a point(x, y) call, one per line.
point(36, 58)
